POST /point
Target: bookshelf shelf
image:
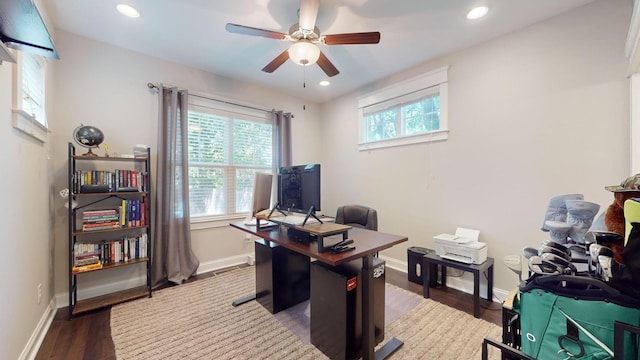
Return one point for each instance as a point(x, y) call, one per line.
point(113, 298)
point(114, 265)
point(80, 233)
point(122, 219)
point(111, 194)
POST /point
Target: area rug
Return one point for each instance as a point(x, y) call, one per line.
point(197, 321)
point(397, 303)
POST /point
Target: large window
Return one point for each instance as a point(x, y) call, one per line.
point(226, 148)
point(406, 113)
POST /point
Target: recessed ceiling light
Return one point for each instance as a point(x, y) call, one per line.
point(128, 10)
point(477, 12)
point(324, 83)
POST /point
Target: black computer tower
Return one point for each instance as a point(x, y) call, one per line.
point(336, 307)
point(282, 276)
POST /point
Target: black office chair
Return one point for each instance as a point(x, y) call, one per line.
point(357, 216)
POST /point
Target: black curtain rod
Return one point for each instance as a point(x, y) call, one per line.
point(156, 87)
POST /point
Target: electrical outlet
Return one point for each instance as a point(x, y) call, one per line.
point(39, 293)
point(247, 237)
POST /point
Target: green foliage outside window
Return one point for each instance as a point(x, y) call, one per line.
point(404, 119)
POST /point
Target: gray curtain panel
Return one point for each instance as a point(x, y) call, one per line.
point(282, 134)
point(173, 258)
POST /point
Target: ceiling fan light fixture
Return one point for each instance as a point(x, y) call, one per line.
point(477, 12)
point(304, 53)
point(128, 10)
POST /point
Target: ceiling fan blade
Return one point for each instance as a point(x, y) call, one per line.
point(352, 38)
point(327, 66)
point(275, 63)
point(308, 14)
point(246, 30)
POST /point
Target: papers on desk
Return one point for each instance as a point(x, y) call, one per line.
point(263, 223)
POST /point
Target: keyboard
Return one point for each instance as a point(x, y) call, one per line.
point(294, 219)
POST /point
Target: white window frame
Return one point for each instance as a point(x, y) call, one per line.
point(24, 119)
point(227, 107)
point(436, 79)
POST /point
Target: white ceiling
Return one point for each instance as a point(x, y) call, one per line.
point(192, 32)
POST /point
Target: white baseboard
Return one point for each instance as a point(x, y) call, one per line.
point(462, 283)
point(225, 263)
point(33, 345)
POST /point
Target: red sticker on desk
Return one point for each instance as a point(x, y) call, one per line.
point(351, 284)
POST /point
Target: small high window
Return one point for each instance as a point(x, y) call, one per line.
point(410, 112)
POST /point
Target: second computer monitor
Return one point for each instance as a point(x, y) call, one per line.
point(261, 198)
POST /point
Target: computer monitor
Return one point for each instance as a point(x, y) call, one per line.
point(299, 188)
point(261, 196)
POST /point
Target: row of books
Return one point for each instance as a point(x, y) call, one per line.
point(84, 268)
point(109, 252)
point(85, 181)
point(131, 213)
point(94, 220)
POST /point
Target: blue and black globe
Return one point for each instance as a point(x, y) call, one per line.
point(88, 137)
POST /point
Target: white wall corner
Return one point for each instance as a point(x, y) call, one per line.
point(631, 50)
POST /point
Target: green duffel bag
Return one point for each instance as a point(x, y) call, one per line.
point(572, 317)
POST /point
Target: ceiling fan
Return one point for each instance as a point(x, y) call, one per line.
point(305, 37)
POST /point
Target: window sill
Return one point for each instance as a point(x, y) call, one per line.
point(439, 135)
point(28, 125)
point(211, 223)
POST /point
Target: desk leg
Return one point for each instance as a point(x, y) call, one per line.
point(253, 296)
point(368, 327)
point(368, 324)
point(476, 294)
point(244, 300)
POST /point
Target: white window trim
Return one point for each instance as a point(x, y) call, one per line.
point(21, 120)
point(437, 77)
point(230, 107)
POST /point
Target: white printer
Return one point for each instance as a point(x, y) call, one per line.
point(463, 246)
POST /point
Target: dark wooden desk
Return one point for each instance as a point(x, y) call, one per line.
point(476, 269)
point(367, 243)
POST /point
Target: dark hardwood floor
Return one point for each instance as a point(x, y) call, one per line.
point(88, 336)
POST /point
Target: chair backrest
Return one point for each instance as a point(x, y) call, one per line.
point(357, 216)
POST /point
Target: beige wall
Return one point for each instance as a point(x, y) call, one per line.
point(540, 112)
point(27, 237)
point(105, 86)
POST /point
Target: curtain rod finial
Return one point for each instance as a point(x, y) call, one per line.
point(152, 86)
